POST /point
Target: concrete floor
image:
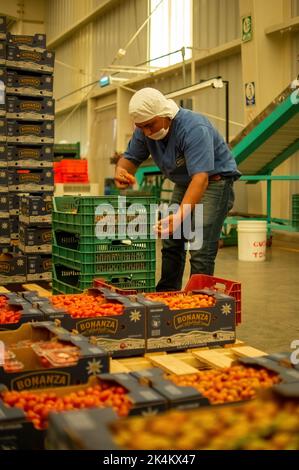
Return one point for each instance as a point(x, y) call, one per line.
point(270, 300)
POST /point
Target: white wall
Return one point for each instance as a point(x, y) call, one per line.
point(215, 22)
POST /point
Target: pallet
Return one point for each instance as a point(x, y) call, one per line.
point(188, 362)
point(3, 290)
point(31, 287)
point(40, 290)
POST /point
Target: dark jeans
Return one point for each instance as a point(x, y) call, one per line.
point(217, 201)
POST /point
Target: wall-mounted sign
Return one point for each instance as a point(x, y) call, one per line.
point(246, 28)
point(250, 93)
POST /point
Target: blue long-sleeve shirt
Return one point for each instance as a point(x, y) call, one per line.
point(192, 146)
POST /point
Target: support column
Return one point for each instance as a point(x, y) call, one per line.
point(266, 61)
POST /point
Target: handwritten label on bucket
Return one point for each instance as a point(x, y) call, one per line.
point(252, 240)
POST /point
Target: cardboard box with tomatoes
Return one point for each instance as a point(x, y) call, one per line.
point(268, 423)
point(24, 415)
point(117, 323)
point(145, 401)
point(40, 354)
point(15, 311)
point(180, 320)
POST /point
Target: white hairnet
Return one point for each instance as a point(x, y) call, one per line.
point(148, 103)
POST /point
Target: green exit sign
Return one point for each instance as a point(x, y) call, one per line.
point(246, 28)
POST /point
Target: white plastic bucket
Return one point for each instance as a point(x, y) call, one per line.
point(252, 240)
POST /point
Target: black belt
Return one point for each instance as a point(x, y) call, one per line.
point(215, 177)
point(219, 177)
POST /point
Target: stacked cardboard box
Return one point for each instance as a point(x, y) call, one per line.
point(26, 156)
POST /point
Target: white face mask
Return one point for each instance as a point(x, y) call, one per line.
point(160, 134)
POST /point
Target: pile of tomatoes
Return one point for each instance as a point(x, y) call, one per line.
point(38, 405)
point(178, 301)
point(87, 306)
point(231, 384)
point(7, 314)
point(256, 425)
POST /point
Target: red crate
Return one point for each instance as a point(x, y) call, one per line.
point(103, 283)
point(74, 177)
point(71, 171)
point(73, 166)
point(57, 173)
point(232, 288)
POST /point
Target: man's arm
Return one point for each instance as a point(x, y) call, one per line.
point(193, 195)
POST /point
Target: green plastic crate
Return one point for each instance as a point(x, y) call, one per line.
point(68, 151)
point(131, 249)
point(86, 205)
point(83, 228)
point(99, 267)
point(67, 280)
point(80, 215)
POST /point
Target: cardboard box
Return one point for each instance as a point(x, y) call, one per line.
point(169, 330)
point(4, 230)
point(14, 203)
point(36, 209)
point(3, 155)
point(3, 27)
point(3, 180)
point(144, 400)
point(29, 84)
point(35, 240)
point(12, 268)
point(65, 430)
point(39, 267)
point(3, 130)
point(33, 298)
point(92, 360)
point(33, 156)
point(14, 227)
point(181, 398)
point(34, 179)
point(29, 132)
point(287, 374)
point(16, 432)
point(120, 335)
point(30, 108)
point(32, 60)
point(141, 402)
point(36, 42)
point(4, 205)
point(27, 311)
point(253, 432)
point(2, 90)
point(2, 52)
point(5, 248)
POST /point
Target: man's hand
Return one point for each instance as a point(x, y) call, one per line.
point(168, 225)
point(123, 179)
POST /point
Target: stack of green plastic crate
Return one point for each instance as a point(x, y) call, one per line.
point(295, 210)
point(118, 255)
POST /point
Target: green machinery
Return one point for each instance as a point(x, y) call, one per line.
point(270, 139)
point(150, 179)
